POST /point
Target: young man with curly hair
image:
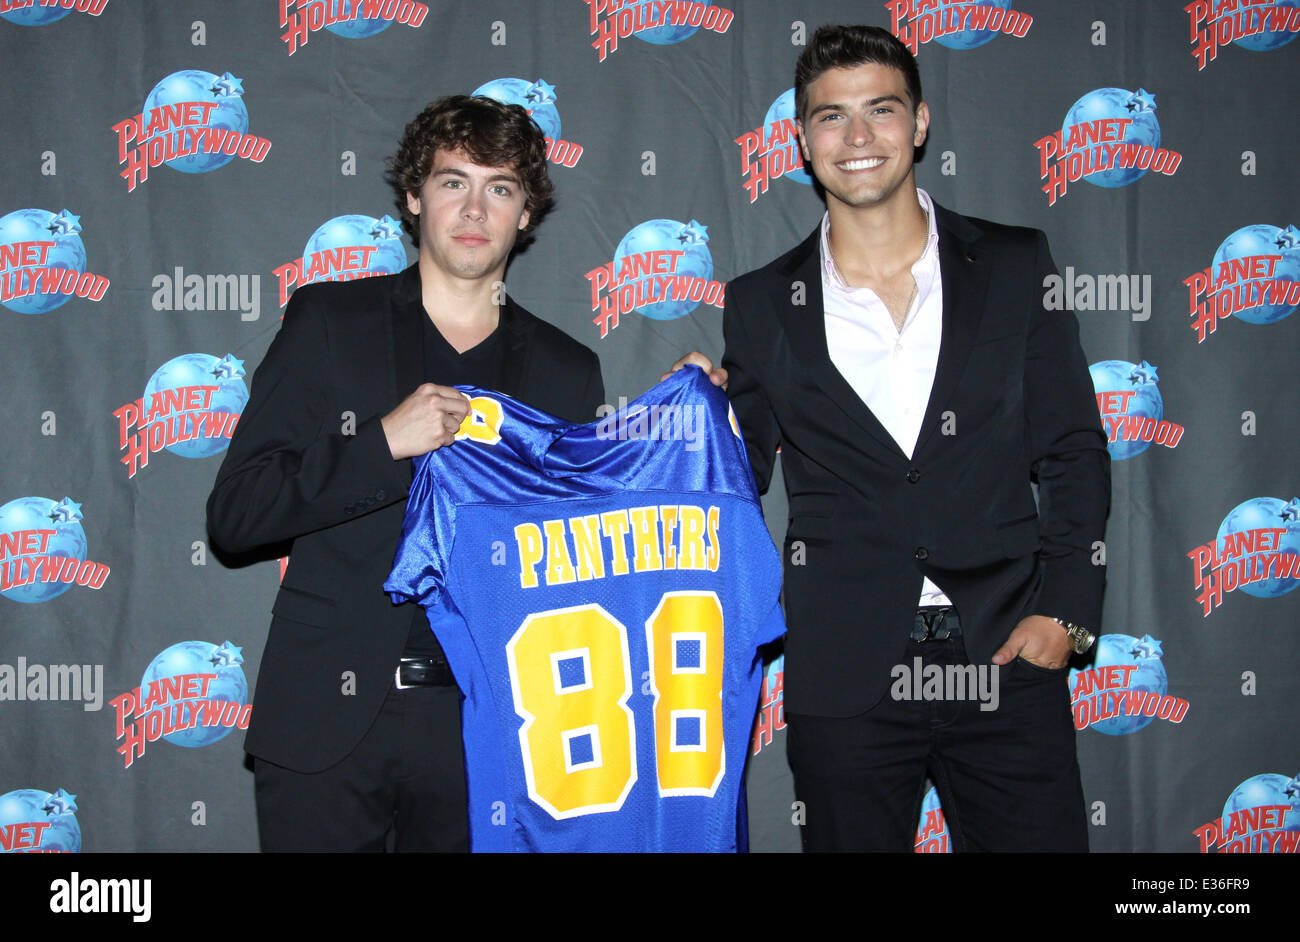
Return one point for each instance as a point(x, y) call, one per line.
point(356, 731)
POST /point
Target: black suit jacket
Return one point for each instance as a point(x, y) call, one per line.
point(349, 352)
point(867, 522)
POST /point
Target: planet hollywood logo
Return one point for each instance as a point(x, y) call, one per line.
point(957, 24)
point(932, 835)
point(1256, 550)
point(661, 22)
point(771, 706)
point(1110, 138)
point(538, 99)
point(1262, 815)
point(43, 550)
point(1125, 689)
point(343, 249)
point(192, 694)
point(190, 407)
point(1257, 25)
point(351, 19)
point(39, 822)
point(193, 122)
point(1255, 277)
point(40, 12)
point(1132, 410)
point(43, 262)
point(771, 150)
point(662, 269)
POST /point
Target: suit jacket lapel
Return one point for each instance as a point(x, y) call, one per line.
point(408, 333)
point(964, 271)
point(805, 328)
point(514, 326)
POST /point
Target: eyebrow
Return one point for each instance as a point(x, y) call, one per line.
point(833, 106)
point(495, 178)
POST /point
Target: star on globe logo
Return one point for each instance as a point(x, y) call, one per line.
point(43, 550)
point(48, 11)
point(192, 695)
point(190, 408)
point(1254, 277)
point(1125, 689)
point(33, 821)
point(43, 262)
point(193, 122)
point(1132, 410)
point(662, 269)
point(538, 99)
point(343, 249)
point(1110, 138)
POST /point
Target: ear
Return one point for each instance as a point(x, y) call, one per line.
point(922, 123)
point(523, 221)
point(413, 203)
point(803, 143)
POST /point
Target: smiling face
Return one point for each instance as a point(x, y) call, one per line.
point(469, 216)
point(859, 133)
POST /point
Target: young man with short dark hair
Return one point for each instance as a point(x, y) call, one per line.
point(917, 389)
point(356, 729)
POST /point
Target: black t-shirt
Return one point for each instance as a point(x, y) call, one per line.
point(478, 366)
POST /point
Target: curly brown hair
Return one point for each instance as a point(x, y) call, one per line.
point(491, 134)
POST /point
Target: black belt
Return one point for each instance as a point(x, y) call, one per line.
point(423, 672)
point(935, 624)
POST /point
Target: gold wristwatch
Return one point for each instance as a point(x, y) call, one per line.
point(1081, 639)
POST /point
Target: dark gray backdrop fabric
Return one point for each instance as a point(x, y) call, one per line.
point(661, 128)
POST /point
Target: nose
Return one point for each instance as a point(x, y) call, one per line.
point(475, 204)
point(857, 132)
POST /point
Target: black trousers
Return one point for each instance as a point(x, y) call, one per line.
point(401, 789)
point(1008, 778)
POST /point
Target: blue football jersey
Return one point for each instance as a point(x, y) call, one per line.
point(601, 592)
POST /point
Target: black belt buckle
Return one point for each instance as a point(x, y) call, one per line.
point(935, 624)
point(422, 672)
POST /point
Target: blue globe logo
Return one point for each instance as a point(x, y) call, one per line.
point(33, 806)
point(354, 25)
point(68, 540)
point(35, 15)
point(668, 235)
point(1264, 240)
point(67, 253)
point(537, 98)
point(1261, 513)
point(200, 369)
point(1122, 376)
point(1269, 39)
point(971, 38)
point(195, 85)
point(1107, 103)
point(929, 805)
point(783, 110)
point(1266, 789)
point(1144, 655)
point(342, 232)
point(662, 35)
point(199, 657)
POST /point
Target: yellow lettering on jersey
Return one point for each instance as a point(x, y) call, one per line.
point(569, 673)
point(586, 539)
point(645, 539)
point(559, 567)
point(528, 538)
point(483, 421)
point(684, 638)
point(691, 553)
point(668, 521)
point(715, 548)
point(615, 526)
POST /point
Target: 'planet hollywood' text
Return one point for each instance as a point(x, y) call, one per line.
point(28, 268)
point(300, 18)
point(171, 705)
point(916, 22)
point(347, 263)
point(1215, 23)
point(1101, 693)
point(614, 20)
point(768, 153)
point(1254, 286)
point(1240, 558)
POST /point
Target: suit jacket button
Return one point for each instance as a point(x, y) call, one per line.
point(913, 476)
point(379, 495)
point(922, 553)
point(349, 509)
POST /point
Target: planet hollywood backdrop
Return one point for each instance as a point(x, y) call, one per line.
point(173, 171)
